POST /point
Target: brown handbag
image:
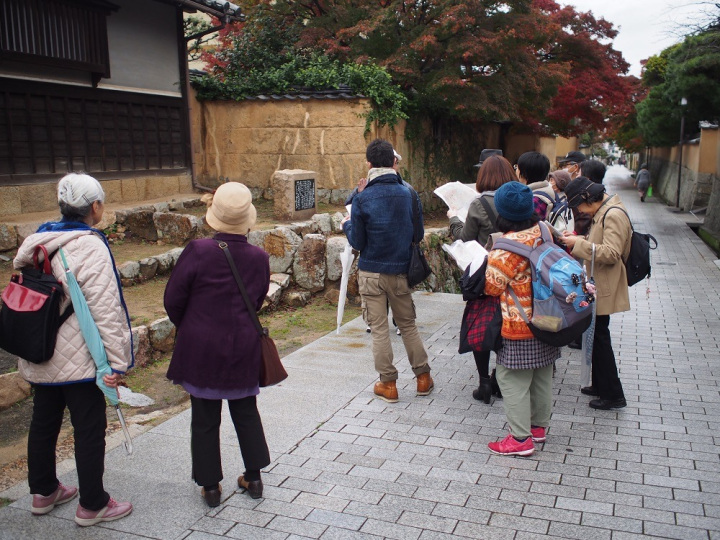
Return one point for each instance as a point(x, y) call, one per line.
point(271, 368)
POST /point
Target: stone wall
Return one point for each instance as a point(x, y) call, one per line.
point(304, 260)
point(42, 197)
point(247, 141)
point(304, 256)
point(698, 176)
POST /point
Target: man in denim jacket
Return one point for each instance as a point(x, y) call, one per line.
point(381, 229)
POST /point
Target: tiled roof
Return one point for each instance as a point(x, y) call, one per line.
point(215, 7)
point(343, 92)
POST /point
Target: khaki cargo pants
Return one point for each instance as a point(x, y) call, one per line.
point(377, 290)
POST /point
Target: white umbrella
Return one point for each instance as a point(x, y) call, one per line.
point(346, 259)
point(588, 337)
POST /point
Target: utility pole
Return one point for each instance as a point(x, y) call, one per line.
point(683, 103)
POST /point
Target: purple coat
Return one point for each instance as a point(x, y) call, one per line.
point(217, 344)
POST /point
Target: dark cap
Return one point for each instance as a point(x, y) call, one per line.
point(582, 190)
point(573, 157)
point(486, 153)
point(514, 201)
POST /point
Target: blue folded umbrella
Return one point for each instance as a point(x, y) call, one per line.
point(91, 334)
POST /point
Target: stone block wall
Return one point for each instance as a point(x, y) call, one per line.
point(247, 141)
point(42, 197)
point(699, 173)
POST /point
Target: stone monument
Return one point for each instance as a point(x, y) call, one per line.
point(294, 193)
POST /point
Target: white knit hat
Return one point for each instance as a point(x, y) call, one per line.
point(79, 190)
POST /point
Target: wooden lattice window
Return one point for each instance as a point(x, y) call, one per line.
point(48, 129)
point(63, 33)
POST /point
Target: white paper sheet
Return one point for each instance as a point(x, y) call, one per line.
point(457, 196)
point(466, 253)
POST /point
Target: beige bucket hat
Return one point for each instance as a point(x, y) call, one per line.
point(231, 209)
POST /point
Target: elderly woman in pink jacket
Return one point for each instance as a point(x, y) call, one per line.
point(67, 379)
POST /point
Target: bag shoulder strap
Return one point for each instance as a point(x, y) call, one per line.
point(523, 249)
point(241, 286)
point(542, 194)
point(624, 212)
point(66, 314)
point(513, 246)
point(416, 213)
point(71, 308)
point(492, 215)
point(518, 305)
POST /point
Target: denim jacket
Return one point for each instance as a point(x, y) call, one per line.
point(381, 225)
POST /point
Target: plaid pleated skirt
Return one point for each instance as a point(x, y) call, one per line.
point(526, 354)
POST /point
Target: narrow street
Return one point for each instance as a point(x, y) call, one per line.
point(349, 466)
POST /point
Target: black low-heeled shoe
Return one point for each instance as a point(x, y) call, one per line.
point(254, 488)
point(607, 404)
point(495, 386)
point(484, 391)
point(212, 496)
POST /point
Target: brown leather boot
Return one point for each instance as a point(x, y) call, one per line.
point(386, 391)
point(425, 384)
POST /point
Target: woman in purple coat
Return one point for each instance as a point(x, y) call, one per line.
point(217, 351)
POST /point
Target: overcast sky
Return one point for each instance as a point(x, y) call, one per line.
point(645, 27)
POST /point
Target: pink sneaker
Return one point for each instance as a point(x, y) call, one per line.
point(538, 434)
point(42, 505)
point(114, 510)
point(510, 446)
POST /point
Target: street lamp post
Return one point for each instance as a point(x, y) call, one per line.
point(683, 103)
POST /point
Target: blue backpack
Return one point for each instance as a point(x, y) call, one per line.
point(561, 306)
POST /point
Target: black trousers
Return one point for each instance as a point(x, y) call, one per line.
point(205, 437)
point(605, 377)
point(87, 413)
point(482, 363)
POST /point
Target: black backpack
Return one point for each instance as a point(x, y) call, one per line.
point(637, 265)
point(30, 316)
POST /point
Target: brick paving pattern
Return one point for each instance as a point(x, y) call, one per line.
point(420, 469)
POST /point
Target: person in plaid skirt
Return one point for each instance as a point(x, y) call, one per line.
point(524, 364)
point(494, 171)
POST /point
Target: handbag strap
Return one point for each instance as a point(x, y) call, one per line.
point(416, 214)
point(492, 215)
point(241, 286)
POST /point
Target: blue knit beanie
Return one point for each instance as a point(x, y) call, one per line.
point(514, 201)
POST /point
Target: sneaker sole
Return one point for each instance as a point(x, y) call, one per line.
point(47, 509)
point(86, 522)
point(539, 440)
point(529, 452)
point(427, 393)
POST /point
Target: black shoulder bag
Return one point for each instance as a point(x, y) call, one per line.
point(637, 265)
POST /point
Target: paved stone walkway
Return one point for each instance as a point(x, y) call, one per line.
point(349, 466)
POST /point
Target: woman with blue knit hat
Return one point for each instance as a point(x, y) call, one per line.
point(524, 364)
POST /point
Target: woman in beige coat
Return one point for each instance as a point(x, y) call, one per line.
point(610, 233)
point(67, 379)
